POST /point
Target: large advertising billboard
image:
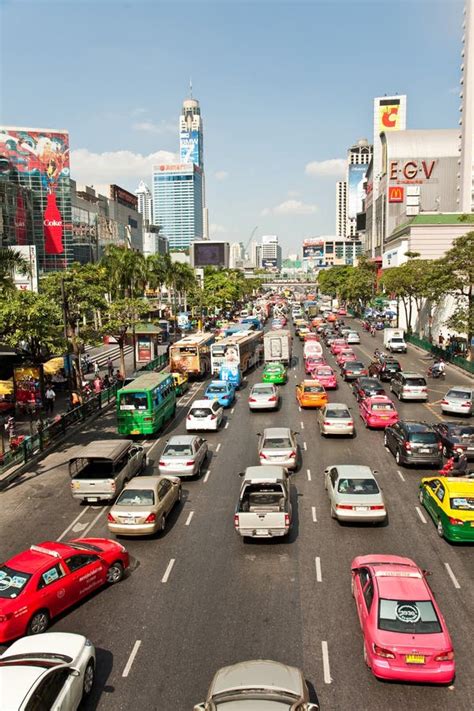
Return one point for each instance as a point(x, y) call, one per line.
point(313, 249)
point(355, 189)
point(390, 115)
point(189, 147)
point(269, 263)
point(209, 254)
point(123, 197)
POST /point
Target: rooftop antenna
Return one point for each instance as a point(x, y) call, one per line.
point(190, 88)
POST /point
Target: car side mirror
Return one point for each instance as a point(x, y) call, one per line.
point(375, 471)
point(241, 473)
point(74, 672)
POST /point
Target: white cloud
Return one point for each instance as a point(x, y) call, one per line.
point(266, 211)
point(332, 167)
point(114, 166)
point(150, 127)
point(221, 174)
point(290, 207)
point(216, 229)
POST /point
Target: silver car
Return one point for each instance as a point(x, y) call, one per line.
point(354, 494)
point(183, 455)
point(409, 386)
point(335, 419)
point(352, 338)
point(458, 400)
point(264, 396)
point(277, 445)
point(256, 684)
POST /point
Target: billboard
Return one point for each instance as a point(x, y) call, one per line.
point(355, 189)
point(33, 154)
point(395, 193)
point(123, 197)
point(210, 254)
point(389, 115)
point(189, 142)
point(313, 249)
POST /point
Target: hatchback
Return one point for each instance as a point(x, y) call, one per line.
point(414, 443)
point(183, 455)
point(277, 445)
point(354, 494)
point(264, 396)
point(274, 373)
point(335, 419)
point(222, 391)
point(204, 415)
point(352, 369)
point(409, 386)
point(458, 401)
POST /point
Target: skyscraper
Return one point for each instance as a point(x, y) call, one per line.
point(466, 162)
point(177, 203)
point(145, 201)
point(191, 148)
point(358, 158)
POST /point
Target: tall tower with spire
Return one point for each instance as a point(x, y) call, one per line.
point(191, 145)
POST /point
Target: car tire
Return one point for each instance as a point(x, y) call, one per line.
point(445, 452)
point(89, 678)
point(440, 529)
point(420, 496)
point(163, 524)
point(115, 573)
point(39, 623)
point(397, 457)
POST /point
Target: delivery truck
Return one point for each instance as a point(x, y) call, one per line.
point(394, 340)
point(277, 346)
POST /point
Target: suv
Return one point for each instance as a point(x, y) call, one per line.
point(409, 386)
point(414, 443)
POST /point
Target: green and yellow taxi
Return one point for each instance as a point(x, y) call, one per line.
point(450, 503)
point(300, 323)
point(274, 373)
point(181, 382)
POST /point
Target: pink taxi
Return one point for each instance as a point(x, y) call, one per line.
point(312, 362)
point(337, 345)
point(344, 355)
point(405, 635)
point(326, 376)
point(378, 411)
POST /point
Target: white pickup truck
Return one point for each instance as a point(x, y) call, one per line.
point(264, 506)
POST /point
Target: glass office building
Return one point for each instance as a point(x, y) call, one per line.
point(177, 203)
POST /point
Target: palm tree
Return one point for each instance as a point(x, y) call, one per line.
point(126, 270)
point(11, 260)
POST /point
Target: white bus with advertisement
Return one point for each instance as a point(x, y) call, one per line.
point(240, 350)
point(192, 355)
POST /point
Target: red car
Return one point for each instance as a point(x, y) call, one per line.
point(45, 580)
point(378, 411)
point(312, 362)
point(405, 635)
point(342, 311)
point(344, 355)
point(326, 376)
point(337, 345)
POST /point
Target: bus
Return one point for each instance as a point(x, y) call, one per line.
point(146, 404)
point(192, 355)
point(239, 349)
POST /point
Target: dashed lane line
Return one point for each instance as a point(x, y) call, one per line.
point(207, 476)
point(302, 424)
point(168, 570)
point(189, 519)
point(326, 667)
point(131, 658)
point(92, 524)
point(66, 530)
point(308, 474)
point(317, 562)
point(400, 475)
point(420, 514)
point(313, 512)
point(452, 576)
point(305, 447)
point(226, 425)
point(218, 447)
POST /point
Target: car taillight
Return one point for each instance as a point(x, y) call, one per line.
point(189, 464)
point(455, 522)
point(423, 390)
point(350, 423)
point(263, 455)
point(327, 423)
point(287, 519)
point(213, 417)
point(377, 508)
point(252, 399)
point(113, 484)
point(147, 419)
point(273, 398)
point(382, 652)
point(466, 404)
point(345, 507)
point(407, 446)
point(236, 520)
point(444, 402)
point(445, 657)
point(110, 518)
point(292, 454)
point(440, 446)
point(188, 417)
point(151, 518)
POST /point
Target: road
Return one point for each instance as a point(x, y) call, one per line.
point(198, 598)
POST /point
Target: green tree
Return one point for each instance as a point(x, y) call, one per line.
point(122, 315)
point(11, 260)
point(458, 263)
point(126, 272)
point(32, 322)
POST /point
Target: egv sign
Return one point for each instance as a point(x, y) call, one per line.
point(411, 170)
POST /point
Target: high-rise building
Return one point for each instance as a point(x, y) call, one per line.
point(341, 208)
point(236, 255)
point(270, 252)
point(358, 159)
point(466, 162)
point(177, 203)
point(145, 201)
point(191, 148)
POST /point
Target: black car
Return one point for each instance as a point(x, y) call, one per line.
point(385, 369)
point(414, 443)
point(456, 437)
point(367, 387)
point(352, 369)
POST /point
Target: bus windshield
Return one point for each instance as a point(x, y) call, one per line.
point(186, 350)
point(133, 401)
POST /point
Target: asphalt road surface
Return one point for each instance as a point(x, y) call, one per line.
point(198, 597)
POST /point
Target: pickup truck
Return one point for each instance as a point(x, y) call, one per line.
point(264, 506)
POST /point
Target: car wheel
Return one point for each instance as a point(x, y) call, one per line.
point(115, 573)
point(445, 452)
point(421, 496)
point(89, 676)
point(397, 457)
point(440, 529)
point(163, 524)
point(180, 493)
point(39, 622)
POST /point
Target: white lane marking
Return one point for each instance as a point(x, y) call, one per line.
point(420, 514)
point(299, 408)
point(313, 511)
point(131, 658)
point(304, 446)
point(226, 425)
point(232, 411)
point(326, 667)
point(66, 530)
point(188, 520)
point(78, 527)
point(400, 475)
point(294, 375)
point(168, 570)
point(218, 447)
point(101, 512)
point(317, 562)
point(302, 424)
point(155, 443)
point(308, 474)
point(207, 476)
point(452, 576)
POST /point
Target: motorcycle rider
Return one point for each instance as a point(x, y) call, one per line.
point(456, 465)
point(438, 368)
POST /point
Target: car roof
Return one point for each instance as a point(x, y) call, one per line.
point(262, 385)
point(37, 557)
point(182, 439)
point(414, 426)
point(337, 406)
point(460, 388)
point(354, 471)
point(258, 673)
point(102, 449)
point(267, 471)
point(201, 403)
point(411, 374)
point(143, 482)
point(312, 381)
point(397, 578)
point(458, 485)
point(16, 683)
point(218, 382)
point(270, 432)
point(379, 398)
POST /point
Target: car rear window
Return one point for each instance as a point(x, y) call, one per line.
point(415, 382)
point(462, 503)
point(354, 365)
point(422, 437)
point(458, 395)
point(276, 443)
point(177, 450)
point(12, 582)
point(313, 389)
point(408, 616)
point(136, 497)
point(216, 389)
point(363, 487)
point(262, 391)
point(338, 414)
point(200, 412)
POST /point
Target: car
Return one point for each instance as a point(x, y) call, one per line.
point(302, 332)
point(405, 635)
point(263, 396)
point(183, 455)
point(413, 442)
point(181, 383)
point(456, 437)
point(274, 373)
point(353, 338)
point(450, 503)
point(310, 393)
point(255, 684)
point(326, 376)
point(409, 386)
point(45, 580)
point(345, 355)
point(277, 324)
point(277, 445)
point(354, 494)
point(143, 506)
point(385, 369)
point(222, 391)
point(53, 671)
point(367, 387)
point(335, 419)
point(342, 311)
point(378, 411)
point(352, 369)
point(458, 401)
point(337, 345)
point(204, 415)
point(311, 362)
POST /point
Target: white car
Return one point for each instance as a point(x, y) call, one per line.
point(264, 396)
point(352, 338)
point(354, 494)
point(204, 415)
point(54, 670)
point(458, 400)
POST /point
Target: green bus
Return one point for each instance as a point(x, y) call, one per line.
point(146, 404)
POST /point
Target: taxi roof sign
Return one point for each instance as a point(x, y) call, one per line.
point(46, 551)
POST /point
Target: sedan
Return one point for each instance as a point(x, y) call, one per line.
point(337, 345)
point(222, 391)
point(274, 373)
point(367, 387)
point(450, 503)
point(405, 635)
point(353, 369)
point(458, 401)
point(277, 445)
point(204, 415)
point(258, 684)
point(353, 338)
point(53, 671)
point(264, 396)
point(142, 507)
point(456, 437)
point(326, 376)
point(354, 494)
point(344, 356)
point(183, 455)
point(378, 412)
point(336, 419)
point(312, 362)
point(385, 370)
point(310, 393)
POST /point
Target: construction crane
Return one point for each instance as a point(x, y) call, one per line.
point(250, 239)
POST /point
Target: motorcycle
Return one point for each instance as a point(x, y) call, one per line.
point(436, 373)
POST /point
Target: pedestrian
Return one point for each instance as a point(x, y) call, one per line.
point(97, 384)
point(440, 340)
point(75, 399)
point(50, 396)
point(106, 382)
point(96, 368)
point(110, 367)
point(119, 378)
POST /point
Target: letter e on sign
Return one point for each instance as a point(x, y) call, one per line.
point(393, 170)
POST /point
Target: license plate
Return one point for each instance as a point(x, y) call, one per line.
point(415, 659)
point(135, 432)
point(127, 520)
point(361, 508)
point(92, 498)
point(424, 450)
point(261, 532)
point(472, 524)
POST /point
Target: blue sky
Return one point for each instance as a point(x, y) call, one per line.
point(281, 84)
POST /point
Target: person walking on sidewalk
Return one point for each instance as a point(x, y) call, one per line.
point(110, 367)
point(96, 368)
point(50, 396)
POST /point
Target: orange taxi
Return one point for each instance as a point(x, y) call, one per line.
point(310, 393)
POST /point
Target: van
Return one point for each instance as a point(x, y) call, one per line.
point(100, 470)
point(409, 386)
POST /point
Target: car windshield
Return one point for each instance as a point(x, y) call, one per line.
point(276, 443)
point(136, 497)
point(363, 487)
point(200, 412)
point(216, 389)
point(462, 503)
point(338, 414)
point(12, 582)
point(354, 365)
point(415, 382)
point(422, 437)
point(378, 407)
point(177, 450)
point(313, 389)
point(324, 371)
point(133, 401)
point(458, 395)
point(408, 617)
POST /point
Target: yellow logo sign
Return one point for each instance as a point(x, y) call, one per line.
point(389, 117)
